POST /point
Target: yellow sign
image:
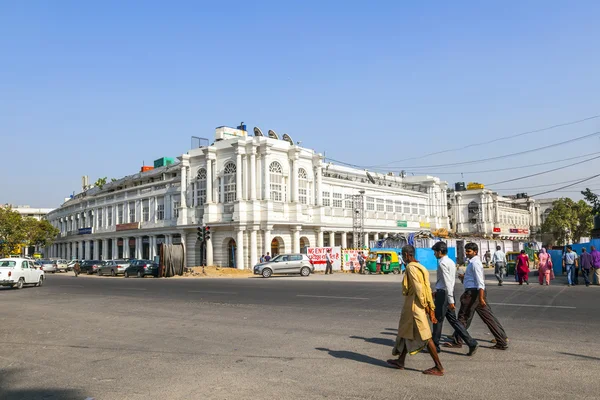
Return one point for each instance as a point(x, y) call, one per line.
point(425, 224)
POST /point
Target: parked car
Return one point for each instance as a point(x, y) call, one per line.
point(113, 267)
point(90, 266)
point(141, 268)
point(285, 264)
point(71, 264)
point(49, 266)
point(17, 272)
point(61, 265)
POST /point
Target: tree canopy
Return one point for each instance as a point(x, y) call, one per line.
point(568, 221)
point(16, 231)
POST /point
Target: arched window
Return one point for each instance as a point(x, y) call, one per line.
point(201, 187)
point(302, 186)
point(229, 182)
point(276, 174)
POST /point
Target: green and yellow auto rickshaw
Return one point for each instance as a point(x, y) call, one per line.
point(511, 262)
point(382, 261)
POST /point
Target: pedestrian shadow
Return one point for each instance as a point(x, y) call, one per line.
point(353, 356)
point(376, 340)
point(388, 333)
point(12, 375)
point(580, 356)
point(391, 329)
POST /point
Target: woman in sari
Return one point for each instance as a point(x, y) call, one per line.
point(545, 267)
point(523, 268)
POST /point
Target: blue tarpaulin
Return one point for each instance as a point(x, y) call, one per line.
point(424, 256)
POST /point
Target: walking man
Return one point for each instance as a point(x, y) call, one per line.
point(488, 258)
point(329, 266)
point(569, 262)
point(596, 264)
point(444, 299)
point(473, 300)
point(414, 333)
point(267, 257)
point(361, 261)
point(499, 261)
point(586, 265)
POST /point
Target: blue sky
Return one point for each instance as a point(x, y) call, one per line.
point(96, 88)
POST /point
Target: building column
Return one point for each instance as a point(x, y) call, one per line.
point(376, 236)
point(185, 249)
point(69, 251)
point(331, 239)
point(295, 161)
point(239, 252)
point(238, 177)
point(138, 247)
point(253, 247)
point(209, 181)
point(267, 242)
point(319, 238)
point(115, 248)
point(222, 195)
point(126, 247)
point(253, 175)
point(296, 239)
point(152, 244)
point(344, 240)
point(319, 186)
point(105, 255)
point(209, 252)
point(87, 255)
point(266, 178)
point(366, 240)
point(80, 247)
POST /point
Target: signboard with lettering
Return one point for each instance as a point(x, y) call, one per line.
point(497, 230)
point(318, 257)
point(513, 230)
point(84, 231)
point(424, 224)
point(350, 259)
point(402, 224)
point(128, 227)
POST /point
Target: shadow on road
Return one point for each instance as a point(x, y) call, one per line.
point(376, 340)
point(580, 356)
point(11, 376)
point(351, 355)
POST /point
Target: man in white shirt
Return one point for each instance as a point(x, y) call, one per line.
point(473, 300)
point(499, 261)
point(328, 262)
point(443, 297)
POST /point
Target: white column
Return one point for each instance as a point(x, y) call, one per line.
point(295, 161)
point(253, 175)
point(105, 255)
point(185, 249)
point(96, 252)
point(239, 252)
point(209, 252)
point(245, 178)
point(209, 181)
point(319, 187)
point(222, 197)
point(238, 177)
point(344, 240)
point(184, 183)
point(267, 242)
point(296, 239)
point(87, 254)
point(266, 178)
point(366, 240)
point(253, 247)
point(152, 244)
point(115, 248)
point(80, 247)
point(126, 248)
point(68, 244)
point(138, 247)
point(376, 236)
point(331, 239)
point(319, 238)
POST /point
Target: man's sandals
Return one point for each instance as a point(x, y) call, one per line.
point(395, 363)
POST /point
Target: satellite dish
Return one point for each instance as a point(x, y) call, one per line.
point(272, 134)
point(288, 139)
point(370, 178)
point(257, 131)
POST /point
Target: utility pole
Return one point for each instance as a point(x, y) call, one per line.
point(358, 220)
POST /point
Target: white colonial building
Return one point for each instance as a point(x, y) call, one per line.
point(28, 211)
point(257, 194)
point(484, 213)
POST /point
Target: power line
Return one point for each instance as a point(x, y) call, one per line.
point(485, 159)
point(544, 172)
point(566, 186)
point(499, 139)
point(539, 186)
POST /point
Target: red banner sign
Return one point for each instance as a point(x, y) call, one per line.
point(497, 230)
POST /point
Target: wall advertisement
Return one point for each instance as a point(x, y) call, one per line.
point(350, 260)
point(317, 256)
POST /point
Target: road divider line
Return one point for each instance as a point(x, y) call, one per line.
point(332, 297)
point(70, 285)
point(531, 305)
point(124, 288)
point(210, 292)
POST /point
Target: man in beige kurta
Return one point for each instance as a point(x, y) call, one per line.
point(414, 333)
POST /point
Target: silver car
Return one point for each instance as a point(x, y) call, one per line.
point(113, 267)
point(49, 266)
point(285, 264)
point(61, 265)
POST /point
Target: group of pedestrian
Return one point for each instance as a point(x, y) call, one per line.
point(414, 333)
point(586, 263)
point(266, 258)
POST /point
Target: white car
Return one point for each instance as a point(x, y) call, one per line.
point(61, 265)
point(17, 272)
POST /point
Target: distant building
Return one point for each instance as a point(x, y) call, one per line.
point(258, 194)
point(27, 211)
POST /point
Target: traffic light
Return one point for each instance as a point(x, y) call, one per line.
point(207, 233)
point(200, 234)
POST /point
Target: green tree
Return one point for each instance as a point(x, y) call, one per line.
point(592, 198)
point(568, 221)
point(100, 182)
point(39, 233)
point(12, 234)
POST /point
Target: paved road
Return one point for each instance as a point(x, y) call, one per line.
point(303, 338)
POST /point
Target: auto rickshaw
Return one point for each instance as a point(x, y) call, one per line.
point(382, 261)
point(511, 262)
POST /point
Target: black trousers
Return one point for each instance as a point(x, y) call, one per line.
point(328, 268)
point(441, 312)
point(469, 305)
